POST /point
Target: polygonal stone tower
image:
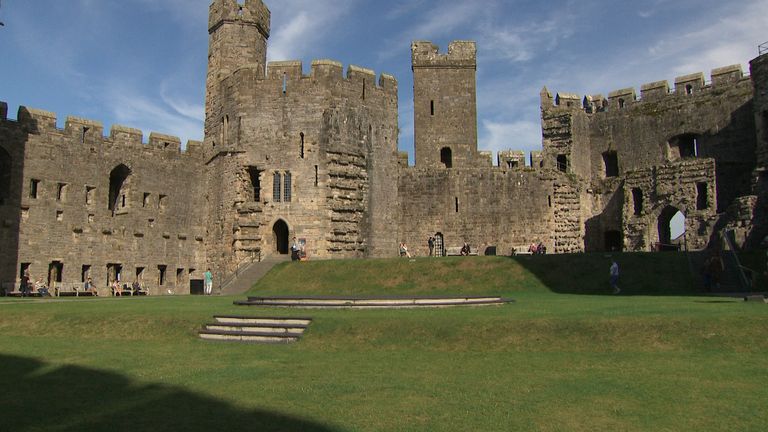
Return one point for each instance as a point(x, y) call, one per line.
point(445, 104)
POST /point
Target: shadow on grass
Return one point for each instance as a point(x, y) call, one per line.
point(73, 398)
point(656, 274)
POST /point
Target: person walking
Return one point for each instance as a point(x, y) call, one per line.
point(208, 282)
point(614, 280)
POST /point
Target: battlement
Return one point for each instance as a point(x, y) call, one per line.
point(79, 130)
point(685, 85)
point(323, 70)
point(461, 55)
point(252, 12)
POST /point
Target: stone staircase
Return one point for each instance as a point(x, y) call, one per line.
point(372, 303)
point(255, 329)
point(250, 274)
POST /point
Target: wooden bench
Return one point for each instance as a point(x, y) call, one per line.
point(521, 250)
point(456, 251)
point(70, 290)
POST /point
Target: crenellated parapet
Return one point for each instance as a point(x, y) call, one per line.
point(91, 132)
point(461, 54)
point(252, 12)
point(324, 73)
point(684, 86)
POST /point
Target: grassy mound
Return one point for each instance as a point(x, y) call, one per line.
point(565, 356)
point(641, 274)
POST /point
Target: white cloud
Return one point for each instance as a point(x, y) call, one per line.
point(515, 135)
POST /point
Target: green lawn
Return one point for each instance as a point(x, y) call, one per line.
point(566, 356)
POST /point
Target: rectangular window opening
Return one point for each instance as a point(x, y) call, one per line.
point(317, 176)
point(161, 276)
point(85, 272)
point(637, 200)
point(34, 185)
point(702, 198)
point(145, 200)
point(456, 202)
point(287, 187)
point(611, 163)
point(254, 174)
point(89, 193)
point(276, 180)
point(431, 107)
point(61, 189)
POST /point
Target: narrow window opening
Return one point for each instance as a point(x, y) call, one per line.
point(162, 201)
point(59, 215)
point(225, 130)
point(363, 89)
point(179, 277)
point(688, 89)
point(255, 175)
point(34, 185)
point(562, 163)
point(240, 11)
point(456, 202)
point(89, 192)
point(85, 132)
point(702, 198)
point(549, 200)
point(637, 200)
point(122, 201)
point(446, 157)
point(317, 176)
point(431, 107)
point(161, 277)
point(276, 180)
point(287, 187)
point(621, 103)
point(140, 276)
point(301, 148)
point(145, 200)
point(118, 184)
point(60, 191)
point(611, 163)
point(512, 164)
point(285, 83)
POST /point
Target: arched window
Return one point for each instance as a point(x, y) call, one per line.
point(5, 176)
point(446, 157)
point(276, 180)
point(118, 187)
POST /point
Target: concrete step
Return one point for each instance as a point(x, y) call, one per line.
point(248, 336)
point(362, 302)
point(255, 329)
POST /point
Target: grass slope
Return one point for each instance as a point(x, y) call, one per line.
point(562, 358)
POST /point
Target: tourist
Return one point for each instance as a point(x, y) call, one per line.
point(614, 280)
point(89, 288)
point(431, 245)
point(541, 249)
point(136, 287)
point(465, 249)
point(404, 250)
point(295, 248)
point(24, 285)
point(41, 289)
point(116, 291)
point(532, 249)
point(208, 282)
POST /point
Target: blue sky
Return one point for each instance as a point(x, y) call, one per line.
point(142, 63)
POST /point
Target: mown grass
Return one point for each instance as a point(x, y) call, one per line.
point(564, 357)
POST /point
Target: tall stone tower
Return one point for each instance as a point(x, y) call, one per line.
point(238, 36)
point(445, 104)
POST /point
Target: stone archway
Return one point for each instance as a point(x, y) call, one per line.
point(280, 235)
point(669, 217)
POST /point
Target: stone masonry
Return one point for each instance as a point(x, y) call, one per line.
point(314, 156)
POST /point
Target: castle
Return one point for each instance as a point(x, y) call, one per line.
point(315, 156)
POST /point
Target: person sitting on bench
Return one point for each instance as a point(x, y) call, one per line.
point(465, 250)
point(41, 288)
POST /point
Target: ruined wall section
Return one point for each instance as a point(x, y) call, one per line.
point(649, 131)
point(759, 74)
point(65, 215)
point(445, 105)
point(489, 207)
point(565, 135)
point(662, 187)
point(336, 136)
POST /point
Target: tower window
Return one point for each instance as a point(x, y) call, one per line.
point(562, 163)
point(61, 189)
point(446, 157)
point(301, 147)
point(287, 187)
point(431, 107)
point(702, 198)
point(637, 200)
point(276, 179)
point(688, 89)
point(255, 176)
point(611, 162)
point(34, 185)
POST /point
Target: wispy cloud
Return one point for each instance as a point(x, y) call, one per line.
point(515, 135)
point(301, 24)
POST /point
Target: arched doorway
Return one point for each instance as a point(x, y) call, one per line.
point(280, 237)
point(439, 245)
point(671, 228)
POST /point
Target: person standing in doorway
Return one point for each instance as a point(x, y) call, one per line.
point(431, 244)
point(614, 280)
point(208, 282)
point(295, 248)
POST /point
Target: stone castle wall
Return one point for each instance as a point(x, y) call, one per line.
point(63, 179)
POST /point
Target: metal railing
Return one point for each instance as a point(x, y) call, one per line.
point(762, 48)
point(244, 265)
